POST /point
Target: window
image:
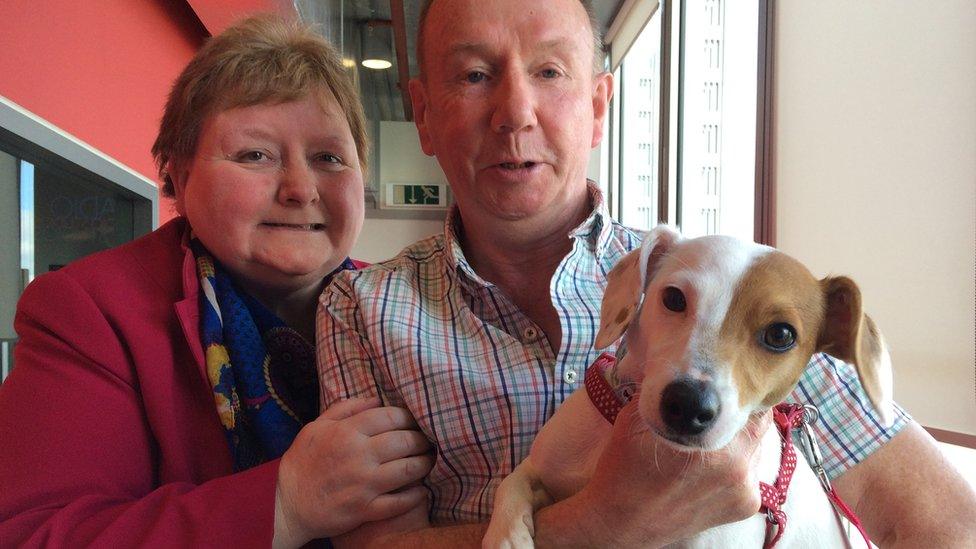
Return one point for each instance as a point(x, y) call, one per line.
point(59, 200)
point(686, 118)
point(639, 96)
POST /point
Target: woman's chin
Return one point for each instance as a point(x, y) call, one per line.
point(287, 274)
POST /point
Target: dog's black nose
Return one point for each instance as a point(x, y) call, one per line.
point(689, 406)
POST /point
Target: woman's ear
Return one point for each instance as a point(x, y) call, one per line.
point(177, 175)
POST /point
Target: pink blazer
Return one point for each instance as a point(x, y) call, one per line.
point(109, 434)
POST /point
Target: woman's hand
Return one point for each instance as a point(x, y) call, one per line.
point(348, 467)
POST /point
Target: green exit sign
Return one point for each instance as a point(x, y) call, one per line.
point(415, 196)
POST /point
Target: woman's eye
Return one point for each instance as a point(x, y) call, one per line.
point(330, 158)
point(252, 156)
point(779, 337)
point(475, 77)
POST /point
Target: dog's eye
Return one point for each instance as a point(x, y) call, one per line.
point(779, 337)
point(674, 299)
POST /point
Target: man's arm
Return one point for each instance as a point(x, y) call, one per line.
point(644, 493)
point(460, 536)
point(894, 476)
point(907, 494)
point(343, 357)
point(346, 370)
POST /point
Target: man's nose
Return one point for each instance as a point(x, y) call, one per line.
point(514, 104)
point(297, 185)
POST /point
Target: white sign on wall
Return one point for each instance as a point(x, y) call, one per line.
point(414, 196)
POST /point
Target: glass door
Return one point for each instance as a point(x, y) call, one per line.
point(51, 213)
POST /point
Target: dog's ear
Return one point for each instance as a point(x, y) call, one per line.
point(850, 335)
point(626, 283)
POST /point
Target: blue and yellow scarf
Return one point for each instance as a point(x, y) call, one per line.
point(262, 372)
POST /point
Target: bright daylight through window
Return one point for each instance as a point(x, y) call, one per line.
point(711, 177)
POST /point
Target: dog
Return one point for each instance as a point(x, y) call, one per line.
point(714, 330)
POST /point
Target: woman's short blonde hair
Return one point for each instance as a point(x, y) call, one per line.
point(261, 59)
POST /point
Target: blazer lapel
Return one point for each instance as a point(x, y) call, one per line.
point(188, 311)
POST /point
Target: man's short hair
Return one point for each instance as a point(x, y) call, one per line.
point(261, 59)
point(598, 52)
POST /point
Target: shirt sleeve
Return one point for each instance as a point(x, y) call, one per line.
point(849, 428)
point(346, 362)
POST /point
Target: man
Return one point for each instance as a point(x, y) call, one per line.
point(483, 331)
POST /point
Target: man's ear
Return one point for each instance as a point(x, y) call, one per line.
point(418, 99)
point(627, 281)
point(178, 175)
point(602, 93)
point(850, 335)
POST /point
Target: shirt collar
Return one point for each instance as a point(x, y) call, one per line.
point(453, 230)
point(596, 231)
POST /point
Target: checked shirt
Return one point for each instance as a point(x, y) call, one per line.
point(424, 331)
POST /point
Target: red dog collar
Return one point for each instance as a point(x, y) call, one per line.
point(609, 400)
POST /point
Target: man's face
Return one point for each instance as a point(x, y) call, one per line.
point(510, 105)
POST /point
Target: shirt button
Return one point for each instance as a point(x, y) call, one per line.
point(570, 376)
point(530, 333)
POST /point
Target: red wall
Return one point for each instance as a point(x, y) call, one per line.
point(99, 69)
point(217, 15)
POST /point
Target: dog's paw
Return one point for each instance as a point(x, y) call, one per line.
point(512, 541)
point(515, 533)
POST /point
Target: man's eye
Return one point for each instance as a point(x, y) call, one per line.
point(549, 73)
point(475, 77)
point(330, 158)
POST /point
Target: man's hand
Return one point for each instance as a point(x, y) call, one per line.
point(347, 467)
point(645, 492)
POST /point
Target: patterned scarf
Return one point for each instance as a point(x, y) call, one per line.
point(262, 372)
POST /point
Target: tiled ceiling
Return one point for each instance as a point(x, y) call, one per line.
point(347, 24)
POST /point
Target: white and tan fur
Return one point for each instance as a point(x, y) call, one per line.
point(734, 291)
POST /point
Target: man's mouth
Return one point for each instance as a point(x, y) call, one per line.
point(296, 226)
point(517, 165)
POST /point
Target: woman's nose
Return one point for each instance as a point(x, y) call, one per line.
point(514, 105)
point(298, 185)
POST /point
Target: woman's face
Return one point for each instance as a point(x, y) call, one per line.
point(275, 192)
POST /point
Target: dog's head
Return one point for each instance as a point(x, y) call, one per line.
point(718, 329)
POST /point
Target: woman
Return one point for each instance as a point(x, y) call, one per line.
point(159, 386)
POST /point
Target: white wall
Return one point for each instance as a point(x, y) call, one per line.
point(876, 175)
point(402, 161)
point(384, 238)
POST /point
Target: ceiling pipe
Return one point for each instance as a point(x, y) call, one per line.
point(402, 55)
